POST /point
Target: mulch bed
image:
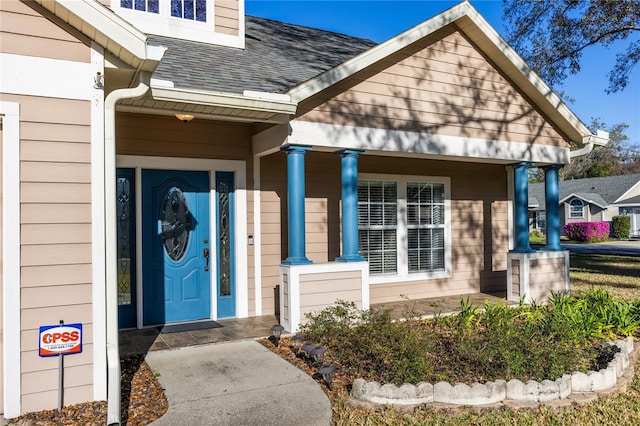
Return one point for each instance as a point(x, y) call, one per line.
point(142, 402)
point(342, 380)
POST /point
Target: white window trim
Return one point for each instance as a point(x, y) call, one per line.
point(164, 24)
point(582, 215)
point(403, 273)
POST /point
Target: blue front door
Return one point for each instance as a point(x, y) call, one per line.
point(175, 246)
point(225, 212)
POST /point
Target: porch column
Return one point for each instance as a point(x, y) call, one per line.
point(552, 202)
point(295, 204)
point(349, 165)
point(521, 211)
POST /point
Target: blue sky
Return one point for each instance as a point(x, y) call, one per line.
point(381, 20)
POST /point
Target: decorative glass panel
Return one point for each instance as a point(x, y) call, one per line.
point(176, 223)
point(224, 229)
point(125, 238)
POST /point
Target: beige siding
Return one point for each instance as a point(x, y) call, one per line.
point(24, 31)
point(446, 87)
point(227, 17)
point(479, 222)
point(55, 209)
point(165, 136)
point(515, 278)
point(320, 290)
point(546, 275)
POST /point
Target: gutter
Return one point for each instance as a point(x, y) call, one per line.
point(113, 350)
point(600, 139)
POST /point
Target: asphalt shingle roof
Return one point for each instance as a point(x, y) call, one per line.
point(602, 190)
point(277, 57)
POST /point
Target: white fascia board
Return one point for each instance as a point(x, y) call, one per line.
point(377, 53)
point(573, 195)
point(109, 24)
point(405, 143)
point(103, 21)
point(226, 100)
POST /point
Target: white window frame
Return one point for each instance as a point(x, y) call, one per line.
point(403, 273)
point(571, 207)
point(162, 23)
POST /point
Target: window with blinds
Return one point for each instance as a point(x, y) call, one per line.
point(377, 225)
point(425, 226)
point(403, 226)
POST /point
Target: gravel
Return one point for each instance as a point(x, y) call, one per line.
point(142, 402)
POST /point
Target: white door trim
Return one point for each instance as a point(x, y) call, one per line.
point(212, 166)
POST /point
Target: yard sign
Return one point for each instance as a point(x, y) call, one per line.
point(60, 339)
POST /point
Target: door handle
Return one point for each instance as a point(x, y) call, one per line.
point(205, 253)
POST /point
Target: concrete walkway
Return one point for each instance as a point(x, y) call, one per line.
point(236, 383)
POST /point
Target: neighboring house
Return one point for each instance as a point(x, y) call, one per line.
point(173, 165)
point(590, 200)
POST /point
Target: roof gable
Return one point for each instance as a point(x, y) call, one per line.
point(444, 87)
point(609, 190)
point(478, 30)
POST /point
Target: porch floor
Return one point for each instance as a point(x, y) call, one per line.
point(133, 342)
point(434, 306)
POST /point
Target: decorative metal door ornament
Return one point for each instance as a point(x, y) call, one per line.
point(176, 223)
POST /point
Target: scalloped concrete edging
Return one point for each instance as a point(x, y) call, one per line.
point(578, 387)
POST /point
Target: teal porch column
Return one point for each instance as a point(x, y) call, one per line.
point(552, 203)
point(295, 204)
point(349, 165)
point(521, 207)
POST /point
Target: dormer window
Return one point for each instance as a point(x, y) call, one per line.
point(151, 6)
point(195, 10)
point(209, 21)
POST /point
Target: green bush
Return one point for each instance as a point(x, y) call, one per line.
point(621, 227)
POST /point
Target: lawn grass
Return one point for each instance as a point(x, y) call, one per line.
point(620, 276)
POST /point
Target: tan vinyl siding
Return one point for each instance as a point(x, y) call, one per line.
point(165, 136)
point(23, 31)
point(227, 17)
point(320, 290)
point(546, 275)
point(55, 196)
point(479, 222)
point(446, 88)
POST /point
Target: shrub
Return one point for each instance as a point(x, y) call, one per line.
point(497, 342)
point(621, 227)
point(587, 231)
point(536, 233)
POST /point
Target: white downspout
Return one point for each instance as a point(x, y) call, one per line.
point(113, 350)
point(601, 139)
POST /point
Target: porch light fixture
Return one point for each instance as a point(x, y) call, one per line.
point(328, 373)
point(318, 354)
point(276, 332)
point(185, 118)
point(298, 341)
